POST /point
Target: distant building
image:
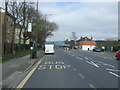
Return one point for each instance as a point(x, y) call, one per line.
point(86, 43)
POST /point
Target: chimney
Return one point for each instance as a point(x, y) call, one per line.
point(81, 38)
point(91, 38)
point(85, 38)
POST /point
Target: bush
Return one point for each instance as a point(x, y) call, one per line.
point(102, 50)
point(116, 48)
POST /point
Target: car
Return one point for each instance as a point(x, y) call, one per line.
point(117, 55)
point(96, 49)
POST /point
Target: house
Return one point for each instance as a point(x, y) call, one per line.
point(17, 33)
point(86, 43)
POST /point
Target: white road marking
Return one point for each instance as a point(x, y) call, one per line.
point(106, 64)
point(114, 74)
point(92, 86)
point(74, 69)
point(110, 65)
point(91, 58)
point(79, 58)
point(86, 58)
point(72, 55)
point(81, 76)
point(113, 70)
point(91, 63)
point(94, 64)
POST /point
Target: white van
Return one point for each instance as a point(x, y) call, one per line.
point(49, 48)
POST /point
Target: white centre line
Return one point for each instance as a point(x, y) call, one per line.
point(94, 64)
point(114, 74)
point(86, 58)
point(79, 58)
point(91, 58)
point(72, 55)
point(81, 76)
point(113, 70)
point(91, 63)
point(92, 86)
point(74, 69)
point(110, 65)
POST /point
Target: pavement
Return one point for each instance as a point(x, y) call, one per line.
point(12, 69)
point(73, 69)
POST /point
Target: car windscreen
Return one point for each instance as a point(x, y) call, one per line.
point(118, 51)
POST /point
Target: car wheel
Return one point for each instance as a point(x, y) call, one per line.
point(116, 58)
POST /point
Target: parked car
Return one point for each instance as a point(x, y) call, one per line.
point(96, 49)
point(117, 55)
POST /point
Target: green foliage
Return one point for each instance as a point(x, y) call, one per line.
point(17, 55)
point(0, 60)
point(115, 48)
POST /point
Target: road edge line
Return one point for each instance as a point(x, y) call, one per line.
point(22, 83)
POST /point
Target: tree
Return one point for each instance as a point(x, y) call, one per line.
point(25, 13)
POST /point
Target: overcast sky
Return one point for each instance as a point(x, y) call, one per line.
point(99, 19)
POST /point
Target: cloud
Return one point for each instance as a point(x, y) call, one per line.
point(85, 18)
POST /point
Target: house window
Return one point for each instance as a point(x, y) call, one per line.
point(8, 41)
point(8, 19)
point(17, 37)
point(8, 31)
point(11, 32)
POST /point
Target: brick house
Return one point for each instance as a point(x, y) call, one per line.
point(6, 29)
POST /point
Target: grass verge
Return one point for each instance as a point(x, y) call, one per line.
point(0, 60)
point(16, 55)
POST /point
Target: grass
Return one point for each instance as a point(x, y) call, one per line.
point(0, 60)
point(17, 55)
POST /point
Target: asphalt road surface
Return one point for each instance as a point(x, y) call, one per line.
point(73, 69)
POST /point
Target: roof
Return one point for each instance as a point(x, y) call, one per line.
point(85, 39)
point(89, 43)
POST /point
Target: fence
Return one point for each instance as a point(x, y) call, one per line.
point(8, 48)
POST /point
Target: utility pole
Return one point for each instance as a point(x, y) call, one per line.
point(45, 30)
point(4, 32)
point(13, 35)
point(36, 30)
point(24, 22)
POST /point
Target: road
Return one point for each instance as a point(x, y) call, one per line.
point(73, 69)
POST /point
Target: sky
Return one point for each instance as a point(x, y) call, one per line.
point(96, 19)
point(85, 18)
